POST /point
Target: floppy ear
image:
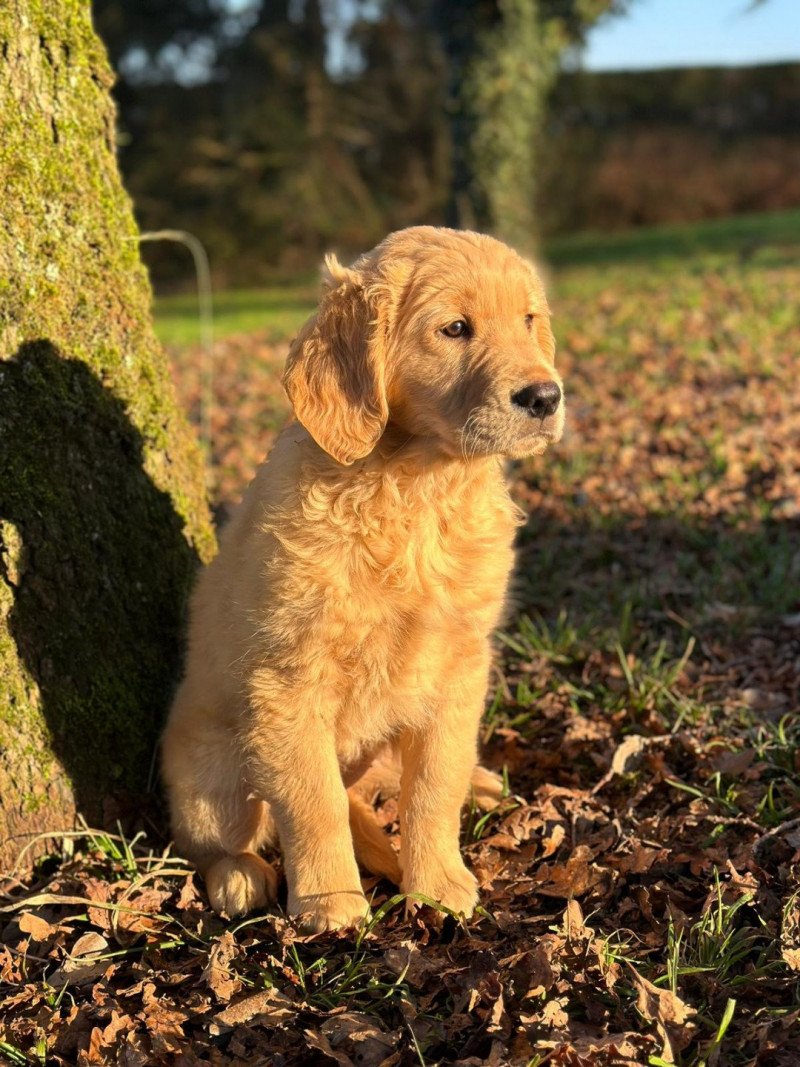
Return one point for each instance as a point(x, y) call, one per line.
point(335, 371)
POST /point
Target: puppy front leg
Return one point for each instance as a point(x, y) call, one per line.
point(437, 764)
point(303, 784)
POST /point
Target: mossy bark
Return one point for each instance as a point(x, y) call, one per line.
point(103, 514)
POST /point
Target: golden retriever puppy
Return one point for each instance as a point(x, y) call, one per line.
point(341, 638)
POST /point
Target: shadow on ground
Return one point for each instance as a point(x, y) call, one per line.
point(595, 565)
point(100, 572)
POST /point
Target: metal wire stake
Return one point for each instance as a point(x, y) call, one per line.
point(205, 314)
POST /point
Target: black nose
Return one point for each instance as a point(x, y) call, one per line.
point(539, 399)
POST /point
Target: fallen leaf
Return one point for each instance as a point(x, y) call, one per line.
point(222, 981)
point(574, 928)
point(353, 1038)
point(408, 960)
point(539, 965)
point(571, 879)
point(81, 965)
point(38, 928)
point(671, 1015)
point(553, 1014)
point(552, 840)
point(267, 1008)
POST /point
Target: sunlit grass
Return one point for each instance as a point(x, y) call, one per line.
point(763, 238)
point(277, 311)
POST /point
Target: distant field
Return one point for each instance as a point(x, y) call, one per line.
point(279, 310)
point(769, 238)
point(276, 311)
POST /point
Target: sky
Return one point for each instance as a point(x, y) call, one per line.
point(653, 33)
point(683, 33)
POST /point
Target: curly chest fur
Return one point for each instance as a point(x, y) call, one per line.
point(399, 582)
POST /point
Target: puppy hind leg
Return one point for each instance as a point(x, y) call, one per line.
point(240, 880)
point(486, 788)
point(372, 846)
point(216, 824)
point(382, 779)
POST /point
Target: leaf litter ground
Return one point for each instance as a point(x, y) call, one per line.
point(639, 885)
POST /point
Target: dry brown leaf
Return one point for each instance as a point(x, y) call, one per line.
point(627, 758)
point(615, 1050)
point(504, 842)
point(574, 928)
point(119, 1024)
point(38, 929)
point(353, 1038)
point(639, 860)
point(671, 1015)
point(790, 934)
point(222, 981)
point(164, 1021)
point(553, 840)
point(498, 1021)
point(9, 971)
point(407, 959)
point(188, 894)
point(96, 1052)
point(267, 1008)
point(571, 879)
point(553, 1014)
point(539, 964)
point(521, 824)
point(149, 901)
point(736, 762)
point(82, 964)
point(322, 1044)
point(101, 892)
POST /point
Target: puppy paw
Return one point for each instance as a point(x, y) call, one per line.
point(237, 885)
point(451, 885)
point(318, 912)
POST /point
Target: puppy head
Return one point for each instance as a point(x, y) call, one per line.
point(444, 332)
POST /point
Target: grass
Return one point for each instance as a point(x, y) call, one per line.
point(767, 238)
point(277, 312)
point(280, 309)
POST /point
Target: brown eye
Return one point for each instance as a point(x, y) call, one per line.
point(458, 328)
point(529, 321)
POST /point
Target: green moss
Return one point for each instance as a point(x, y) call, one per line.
point(101, 481)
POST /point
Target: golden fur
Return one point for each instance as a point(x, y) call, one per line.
point(339, 644)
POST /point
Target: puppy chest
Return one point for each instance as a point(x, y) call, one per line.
point(393, 592)
point(396, 672)
point(395, 640)
point(367, 609)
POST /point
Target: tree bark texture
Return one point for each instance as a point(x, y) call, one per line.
point(103, 513)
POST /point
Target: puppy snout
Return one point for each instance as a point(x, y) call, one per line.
point(539, 399)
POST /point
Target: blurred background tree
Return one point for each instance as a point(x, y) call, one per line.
point(504, 57)
point(275, 128)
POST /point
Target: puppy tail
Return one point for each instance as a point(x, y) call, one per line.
point(372, 847)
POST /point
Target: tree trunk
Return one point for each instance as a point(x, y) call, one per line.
point(103, 515)
point(505, 89)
